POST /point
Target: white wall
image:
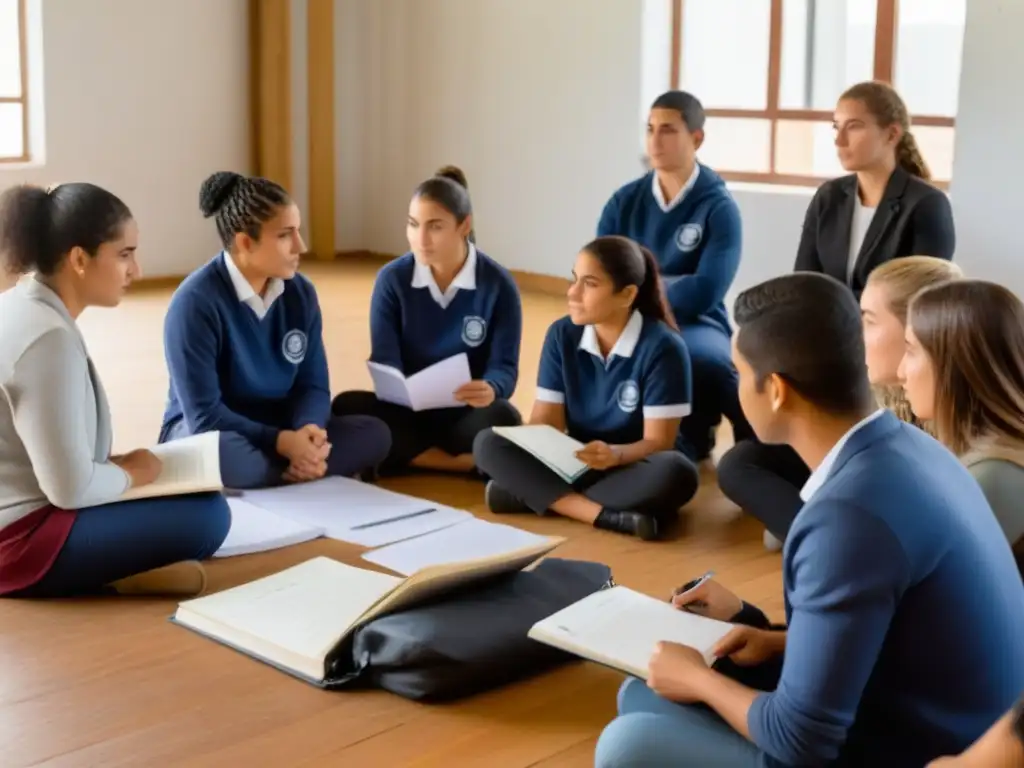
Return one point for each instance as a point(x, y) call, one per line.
point(145, 98)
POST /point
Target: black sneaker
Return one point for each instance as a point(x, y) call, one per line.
point(633, 523)
point(502, 502)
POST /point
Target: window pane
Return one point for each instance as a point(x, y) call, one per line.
point(12, 139)
point(737, 144)
point(930, 37)
point(936, 146)
point(724, 56)
point(805, 148)
point(10, 56)
point(827, 46)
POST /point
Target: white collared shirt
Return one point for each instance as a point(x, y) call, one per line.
point(625, 344)
point(258, 304)
point(820, 475)
point(659, 197)
point(423, 277)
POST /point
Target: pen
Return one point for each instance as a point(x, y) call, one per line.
point(406, 516)
point(690, 585)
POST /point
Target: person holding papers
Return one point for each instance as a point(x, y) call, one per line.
point(433, 310)
point(904, 607)
point(614, 375)
point(63, 531)
point(244, 346)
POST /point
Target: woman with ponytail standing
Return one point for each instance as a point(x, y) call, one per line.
point(615, 375)
point(886, 208)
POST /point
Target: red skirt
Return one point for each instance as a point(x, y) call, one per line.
point(29, 546)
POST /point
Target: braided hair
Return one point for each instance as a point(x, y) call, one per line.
point(240, 204)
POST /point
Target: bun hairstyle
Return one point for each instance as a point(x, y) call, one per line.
point(888, 108)
point(39, 227)
point(449, 189)
point(629, 263)
point(240, 204)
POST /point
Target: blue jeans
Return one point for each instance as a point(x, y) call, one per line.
point(715, 390)
point(114, 541)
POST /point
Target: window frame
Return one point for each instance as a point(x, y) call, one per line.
point(886, 22)
point(22, 99)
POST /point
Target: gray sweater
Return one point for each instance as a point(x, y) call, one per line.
point(55, 430)
point(1002, 482)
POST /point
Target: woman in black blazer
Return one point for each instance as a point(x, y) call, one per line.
point(886, 208)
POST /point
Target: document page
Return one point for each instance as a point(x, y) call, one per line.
point(619, 627)
point(254, 529)
point(389, 384)
point(190, 465)
point(402, 528)
point(554, 448)
point(435, 385)
point(467, 540)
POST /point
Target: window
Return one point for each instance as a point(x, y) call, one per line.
point(769, 72)
point(14, 144)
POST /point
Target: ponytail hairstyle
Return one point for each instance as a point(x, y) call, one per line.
point(904, 277)
point(886, 106)
point(39, 227)
point(449, 189)
point(240, 204)
point(629, 263)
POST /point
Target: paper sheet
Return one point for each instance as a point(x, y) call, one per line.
point(190, 465)
point(254, 529)
point(389, 384)
point(620, 627)
point(402, 529)
point(467, 540)
point(433, 387)
point(554, 448)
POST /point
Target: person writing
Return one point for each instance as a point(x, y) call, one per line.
point(63, 530)
point(885, 208)
point(243, 339)
point(682, 212)
point(875, 597)
point(443, 298)
point(614, 374)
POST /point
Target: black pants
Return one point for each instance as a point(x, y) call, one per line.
point(658, 485)
point(413, 432)
point(765, 482)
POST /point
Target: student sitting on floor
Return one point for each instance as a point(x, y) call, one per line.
point(682, 212)
point(444, 298)
point(614, 374)
point(243, 339)
point(904, 608)
point(62, 530)
point(765, 480)
point(963, 371)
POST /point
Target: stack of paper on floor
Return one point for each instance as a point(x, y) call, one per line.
point(619, 628)
point(356, 512)
point(433, 387)
point(553, 448)
point(469, 540)
point(254, 529)
point(294, 620)
point(190, 465)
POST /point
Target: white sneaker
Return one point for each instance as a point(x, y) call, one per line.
point(771, 543)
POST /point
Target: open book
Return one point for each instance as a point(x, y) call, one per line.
point(433, 387)
point(190, 465)
point(619, 628)
point(295, 620)
point(555, 449)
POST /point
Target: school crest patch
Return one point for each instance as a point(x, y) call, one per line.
point(293, 346)
point(689, 236)
point(474, 330)
point(627, 395)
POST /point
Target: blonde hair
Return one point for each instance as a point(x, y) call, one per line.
point(886, 106)
point(904, 277)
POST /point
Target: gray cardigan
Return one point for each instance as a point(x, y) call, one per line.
point(55, 430)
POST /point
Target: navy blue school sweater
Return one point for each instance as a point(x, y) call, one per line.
point(697, 242)
point(230, 371)
point(409, 330)
point(645, 376)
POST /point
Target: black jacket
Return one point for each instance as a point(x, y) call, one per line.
point(913, 219)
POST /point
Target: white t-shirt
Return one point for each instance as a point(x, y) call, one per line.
point(862, 216)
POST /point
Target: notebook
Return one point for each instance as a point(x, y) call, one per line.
point(619, 628)
point(254, 529)
point(297, 619)
point(553, 448)
point(190, 465)
point(433, 387)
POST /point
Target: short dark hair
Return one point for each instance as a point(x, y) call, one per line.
point(686, 104)
point(806, 328)
point(240, 203)
point(449, 189)
point(39, 227)
point(628, 263)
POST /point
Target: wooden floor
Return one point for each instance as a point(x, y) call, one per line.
point(112, 683)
